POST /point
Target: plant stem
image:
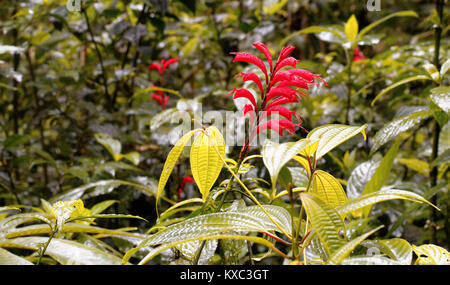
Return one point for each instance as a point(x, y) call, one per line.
point(437, 128)
point(349, 86)
point(45, 247)
point(100, 59)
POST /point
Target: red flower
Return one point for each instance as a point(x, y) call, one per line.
point(160, 97)
point(161, 67)
point(282, 86)
point(186, 179)
point(358, 55)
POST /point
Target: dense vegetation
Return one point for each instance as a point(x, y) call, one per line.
point(116, 148)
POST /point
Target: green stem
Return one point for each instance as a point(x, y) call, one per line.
point(437, 128)
point(100, 59)
point(349, 85)
point(45, 246)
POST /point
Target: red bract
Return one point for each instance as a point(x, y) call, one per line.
point(282, 87)
point(160, 97)
point(161, 67)
point(186, 179)
point(358, 55)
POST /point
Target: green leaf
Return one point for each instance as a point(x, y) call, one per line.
point(313, 30)
point(101, 206)
point(8, 258)
point(16, 140)
point(78, 192)
point(154, 252)
point(397, 249)
point(430, 254)
point(441, 97)
point(7, 208)
point(162, 117)
point(280, 215)
point(206, 163)
point(131, 156)
point(399, 83)
point(445, 67)
point(381, 174)
point(360, 176)
point(113, 216)
point(376, 23)
point(276, 155)
point(325, 221)
point(330, 136)
point(249, 219)
point(413, 209)
point(66, 210)
point(351, 29)
point(274, 8)
point(68, 228)
point(189, 250)
point(415, 164)
point(189, 47)
point(432, 71)
point(113, 146)
point(348, 247)
point(328, 189)
point(170, 162)
point(68, 252)
point(392, 129)
point(384, 194)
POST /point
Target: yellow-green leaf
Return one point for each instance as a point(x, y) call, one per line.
point(430, 254)
point(330, 136)
point(415, 164)
point(171, 160)
point(325, 221)
point(351, 29)
point(206, 163)
point(328, 189)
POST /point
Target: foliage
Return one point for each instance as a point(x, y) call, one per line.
point(96, 165)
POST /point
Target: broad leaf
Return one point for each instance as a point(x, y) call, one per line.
point(445, 67)
point(351, 29)
point(347, 248)
point(210, 225)
point(68, 252)
point(430, 254)
point(328, 189)
point(78, 192)
point(330, 136)
point(441, 97)
point(399, 83)
point(171, 160)
point(113, 146)
point(325, 221)
point(360, 176)
point(376, 23)
point(376, 197)
point(397, 249)
point(276, 155)
point(381, 174)
point(206, 163)
point(415, 164)
point(8, 258)
point(392, 129)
